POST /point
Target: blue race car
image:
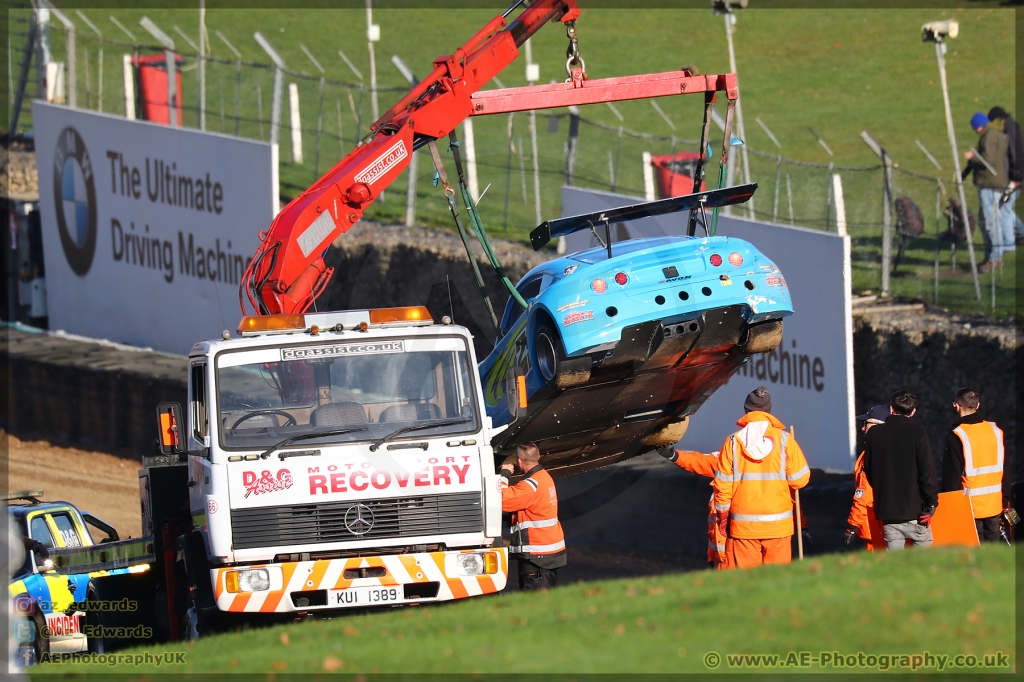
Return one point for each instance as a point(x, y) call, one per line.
point(620, 344)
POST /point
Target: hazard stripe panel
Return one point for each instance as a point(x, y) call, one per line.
point(329, 574)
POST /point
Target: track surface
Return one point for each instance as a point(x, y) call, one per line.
point(103, 484)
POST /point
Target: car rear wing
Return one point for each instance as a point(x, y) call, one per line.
point(715, 198)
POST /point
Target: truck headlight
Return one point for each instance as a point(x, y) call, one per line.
point(477, 563)
point(248, 580)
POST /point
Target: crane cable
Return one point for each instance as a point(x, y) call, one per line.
point(449, 194)
point(478, 225)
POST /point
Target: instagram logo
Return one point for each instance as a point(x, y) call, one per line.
point(24, 605)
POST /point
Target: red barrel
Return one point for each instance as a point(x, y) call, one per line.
point(151, 75)
point(674, 173)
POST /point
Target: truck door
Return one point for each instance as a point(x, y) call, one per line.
point(198, 441)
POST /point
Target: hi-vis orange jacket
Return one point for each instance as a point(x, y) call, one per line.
point(705, 465)
point(983, 466)
point(862, 512)
point(760, 464)
point(536, 532)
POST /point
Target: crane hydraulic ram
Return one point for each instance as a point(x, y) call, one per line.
point(288, 271)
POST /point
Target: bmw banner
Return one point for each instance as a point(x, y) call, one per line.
point(147, 229)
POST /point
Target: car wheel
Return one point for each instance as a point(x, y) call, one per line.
point(549, 352)
point(94, 623)
point(42, 641)
point(556, 369)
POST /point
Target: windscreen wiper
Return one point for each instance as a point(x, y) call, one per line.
point(416, 427)
point(307, 436)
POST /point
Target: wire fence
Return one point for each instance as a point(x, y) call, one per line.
point(334, 115)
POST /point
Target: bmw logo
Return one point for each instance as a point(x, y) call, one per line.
point(74, 193)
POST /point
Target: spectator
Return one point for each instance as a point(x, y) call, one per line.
point(1015, 159)
point(992, 147)
point(898, 464)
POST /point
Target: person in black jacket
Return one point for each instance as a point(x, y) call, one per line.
point(1015, 157)
point(898, 465)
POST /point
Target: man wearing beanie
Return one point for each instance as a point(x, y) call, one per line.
point(992, 146)
point(759, 467)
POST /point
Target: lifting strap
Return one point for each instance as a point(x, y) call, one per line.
point(449, 194)
point(478, 225)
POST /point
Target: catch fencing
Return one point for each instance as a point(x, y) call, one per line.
point(88, 69)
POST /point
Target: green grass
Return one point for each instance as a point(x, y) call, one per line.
point(944, 601)
point(839, 71)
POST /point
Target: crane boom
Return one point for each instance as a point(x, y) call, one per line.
point(288, 270)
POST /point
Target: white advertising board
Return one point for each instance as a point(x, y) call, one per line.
point(810, 375)
point(147, 229)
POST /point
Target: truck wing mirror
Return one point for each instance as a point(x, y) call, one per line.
point(515, 393)
point(169, 425)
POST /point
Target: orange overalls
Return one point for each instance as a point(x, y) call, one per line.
point(759, 467)
point(862, 512)
point(706, 465)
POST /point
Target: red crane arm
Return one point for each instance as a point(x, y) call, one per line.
point(288, 271)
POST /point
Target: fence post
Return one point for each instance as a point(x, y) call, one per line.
point(508, 170)
point(279, 66)
point(372, 36)
point(172, 89)
point(319, 128)
point(26, 61)
point(778, 178)
point(341, 137)
point(570, 151)
point(828, 200)
point(296, 125)
point(837, 193)
point(886, 207)
point(71, 56)
point(259, 108)
point(129, 87)
point(202, 70)
point(648, 177)
point(789, 195)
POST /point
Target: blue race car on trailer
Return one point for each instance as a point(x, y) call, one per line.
point(620, 344)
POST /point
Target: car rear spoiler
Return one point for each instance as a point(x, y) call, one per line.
point(716, 198)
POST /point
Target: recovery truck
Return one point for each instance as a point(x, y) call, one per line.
point(335, 460)
point(323, 461)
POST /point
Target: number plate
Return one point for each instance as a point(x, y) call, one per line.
point(365, 596)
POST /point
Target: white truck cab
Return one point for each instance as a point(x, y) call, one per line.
point(340, 460)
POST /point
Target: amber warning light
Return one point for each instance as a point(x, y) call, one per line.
point(416, 313)
point(255, 324)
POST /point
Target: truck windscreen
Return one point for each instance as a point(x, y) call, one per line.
point(268, 395)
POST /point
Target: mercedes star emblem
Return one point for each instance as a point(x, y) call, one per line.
point(358, 519)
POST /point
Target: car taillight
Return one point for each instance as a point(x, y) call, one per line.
point(715, 259)
point(621, 278)
point(735, 259)
point(599, 286)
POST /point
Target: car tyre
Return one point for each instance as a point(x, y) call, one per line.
point(555, 368)
point(94, 621)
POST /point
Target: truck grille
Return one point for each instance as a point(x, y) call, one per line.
point(398, 517)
